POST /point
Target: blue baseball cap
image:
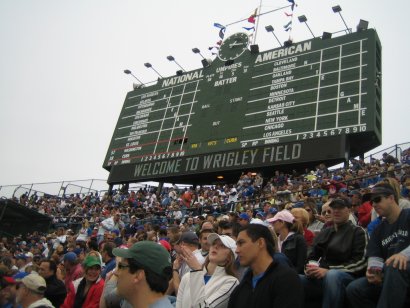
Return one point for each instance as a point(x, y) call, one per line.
point(244, 216)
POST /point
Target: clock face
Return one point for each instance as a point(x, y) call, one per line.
point(233, 46)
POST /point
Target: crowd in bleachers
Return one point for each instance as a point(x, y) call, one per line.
point(304, 213)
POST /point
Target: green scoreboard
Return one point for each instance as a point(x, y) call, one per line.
point(312, 101)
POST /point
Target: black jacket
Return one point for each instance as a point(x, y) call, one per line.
point(295, 248)
point(342, 249)
point(55, 291)
point(279, 287)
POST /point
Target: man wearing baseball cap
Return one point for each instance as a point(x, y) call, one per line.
point(143, 274)
point(30, 292)
point(337, 258)
point(387, 278)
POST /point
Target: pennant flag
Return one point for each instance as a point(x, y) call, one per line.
point(290, 28)
point(219, 43)
point(289, 14)
point(249, 29)
point(219, 25)
point(287, 25)
point(251, 19)
point(293, 4)
point(222, 33)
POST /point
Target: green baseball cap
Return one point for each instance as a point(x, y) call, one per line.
point(90, 261)
point(148, 254)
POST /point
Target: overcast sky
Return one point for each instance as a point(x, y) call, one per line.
point(62, 84)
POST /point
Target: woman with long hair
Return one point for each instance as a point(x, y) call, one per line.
point(212, 284)
point(290, 240)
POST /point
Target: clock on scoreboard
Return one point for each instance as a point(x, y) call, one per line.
point(315, 100)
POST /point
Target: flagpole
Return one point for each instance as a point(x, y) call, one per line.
point(257, 22)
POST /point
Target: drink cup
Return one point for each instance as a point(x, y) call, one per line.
point(313, 264)
point(375, 265)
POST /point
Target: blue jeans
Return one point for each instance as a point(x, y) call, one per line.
point(331, 289)
point(393, 292)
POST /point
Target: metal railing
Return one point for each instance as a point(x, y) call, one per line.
point(85, 187)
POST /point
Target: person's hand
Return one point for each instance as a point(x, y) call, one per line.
point(374, 277)
point(320, 218)
point(315, 272)
point(398, 261)
point(177, 263)
point(190, 259)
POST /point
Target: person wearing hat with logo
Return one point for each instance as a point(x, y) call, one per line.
point(30, 292)
point(290, 238)
point(86, 291)
point(210, 285)
point(143, 274)
point(387, 278)
point(337, 258)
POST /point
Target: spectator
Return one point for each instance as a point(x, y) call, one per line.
point(55, 289)
point(143, 274)
point(315, 225)
point(267, 282)
point(203, 241)
point(387, 278)
point(209, 285)
point(30, 292)
point(302, 215)
point(73, 269)
point(188, 242)
point(244, 219)
point(108, 258)
point(337, 258)
point(290, 240)
point(86, 291)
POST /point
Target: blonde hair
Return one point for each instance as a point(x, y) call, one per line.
point(304, 215)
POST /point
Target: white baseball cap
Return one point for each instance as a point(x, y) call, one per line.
point(226, 240)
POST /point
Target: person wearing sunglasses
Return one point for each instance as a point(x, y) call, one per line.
point(143, 274)
point(387, 278)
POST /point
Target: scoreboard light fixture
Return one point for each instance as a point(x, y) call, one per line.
point(302, 18)
point(149, 65)
point(326, 35)
point(172, 59)
point(287, 43)
point(205, 62)
point(269, 28)
point(363, 25)
point(128, 72)
point(254, 49)
point(338, 9)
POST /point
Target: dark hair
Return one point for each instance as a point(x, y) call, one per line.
point(157, 283)
point(51, 265)
point(108, 247)
point(255, 232)
point(236, 227)
point(93, 245)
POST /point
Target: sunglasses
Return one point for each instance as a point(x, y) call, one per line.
point(122, 266)
point(327, 212)
point(377, 199)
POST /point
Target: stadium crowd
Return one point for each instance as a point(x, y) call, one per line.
point(319, 239)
